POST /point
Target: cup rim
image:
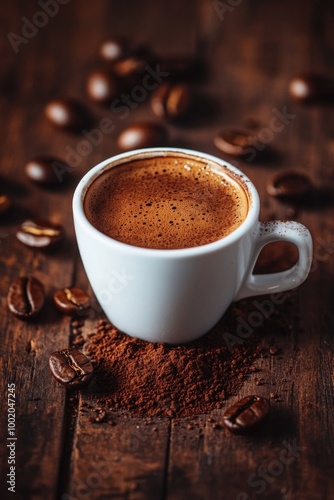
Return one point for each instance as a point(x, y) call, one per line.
point(83, 185)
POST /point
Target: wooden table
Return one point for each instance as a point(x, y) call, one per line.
point(251, 49)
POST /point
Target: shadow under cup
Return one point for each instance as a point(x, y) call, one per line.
point(168, 294)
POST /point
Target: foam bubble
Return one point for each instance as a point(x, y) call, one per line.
point(165, 203)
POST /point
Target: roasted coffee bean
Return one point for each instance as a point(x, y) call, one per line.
point(290, 185)
point(47, 171)
point(102, 86)
point(67, 114)
point(72, 301)
point(246, 414)
point(308, 87)
point(40, 233)
point(71, 368)
point(235, 141)
point(128, 67)
point(5, 203)
point(171, 101)
point(26, 297)
point(114, 49)
point(142, 135)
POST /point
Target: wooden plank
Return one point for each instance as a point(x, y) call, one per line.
point(212, 463)
point(118, 458)
point(205, 460)
point(251, 55)
point(25, 347)
point(134, 450)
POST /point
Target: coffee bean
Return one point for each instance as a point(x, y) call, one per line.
point(171, 101)
point(246, 414)
point(133, 66)
point(5, 203)
point(235, 141)
point(72, 301)
point(142, 135)
point(291, 213)
point(47, 171)
point(102, 86)
point(40, 233)
point(114, 49)
point(290, 185)
point(68, 114)
point(71, 368)
point(25, 297)
point(308, 87)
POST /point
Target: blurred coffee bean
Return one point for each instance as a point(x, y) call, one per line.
point(171, 101)
point(67, 114)
point(246, 414)
point(71, 368)
point(102, 86)
point(142, 135)
point(308, 87)
point(130, 67)
point(25, 297)
point(302, 88)
point(40, 234)
point(291, 213)
point(235, 141)
point(290, 185)
point(5, 203)
point(72, 301)
point(114, 49)
point(251, 122)
point(47, 171)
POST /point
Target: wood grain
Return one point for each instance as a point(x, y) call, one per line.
point(251, 50)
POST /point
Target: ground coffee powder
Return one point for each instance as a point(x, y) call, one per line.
point(147, 379)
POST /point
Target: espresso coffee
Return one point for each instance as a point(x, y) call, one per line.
point(167, 202)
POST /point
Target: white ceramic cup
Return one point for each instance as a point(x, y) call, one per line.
point(175, 296)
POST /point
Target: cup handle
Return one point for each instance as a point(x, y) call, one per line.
point(295, 233)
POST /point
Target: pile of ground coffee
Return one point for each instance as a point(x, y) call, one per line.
point(151, 379)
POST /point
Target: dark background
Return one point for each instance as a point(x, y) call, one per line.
point(251, 50)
